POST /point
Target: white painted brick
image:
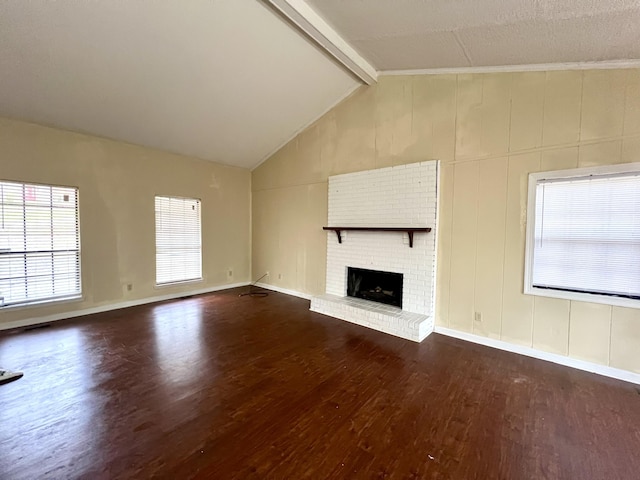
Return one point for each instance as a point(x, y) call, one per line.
point(394, 196)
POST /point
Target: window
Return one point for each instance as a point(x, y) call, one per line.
point(178, 243)
point(583, 235)
point(39, 243)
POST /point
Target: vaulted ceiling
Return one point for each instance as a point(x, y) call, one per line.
point(233, 80)
point(224, 80)
point(421, 34)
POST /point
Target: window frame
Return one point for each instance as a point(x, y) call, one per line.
point(79, 296)
point(155, 219)
point(534, 178)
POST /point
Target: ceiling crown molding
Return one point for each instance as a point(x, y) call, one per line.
point(538, 67)
point(317, 29)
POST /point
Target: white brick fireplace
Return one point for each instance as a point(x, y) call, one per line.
point(403, 196)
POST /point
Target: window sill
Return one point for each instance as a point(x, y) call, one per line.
point(583, 297)
point(161, 286)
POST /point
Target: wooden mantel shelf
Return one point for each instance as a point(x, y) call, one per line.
point(410, 231)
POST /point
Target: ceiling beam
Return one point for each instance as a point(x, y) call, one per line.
point(318, 30)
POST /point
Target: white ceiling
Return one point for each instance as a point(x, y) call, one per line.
point(223, 80)
point(421, 34)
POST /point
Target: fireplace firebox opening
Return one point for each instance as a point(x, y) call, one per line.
point(374, 285)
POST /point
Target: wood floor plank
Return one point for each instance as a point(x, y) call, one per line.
point(229, 387)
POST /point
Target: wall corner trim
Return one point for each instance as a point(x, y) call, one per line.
point(603, 370)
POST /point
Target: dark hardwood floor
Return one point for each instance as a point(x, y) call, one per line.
point(225, 387)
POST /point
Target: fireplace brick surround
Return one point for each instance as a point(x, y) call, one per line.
point(401, 196)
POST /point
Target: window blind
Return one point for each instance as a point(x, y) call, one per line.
point(178, 240)
point(39, 243)
point(587, 235)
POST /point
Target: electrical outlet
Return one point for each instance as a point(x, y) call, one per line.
point(267, 274)
point(279, 276)
point(478, 317)
point(230, 273)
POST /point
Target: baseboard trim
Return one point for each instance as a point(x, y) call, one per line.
point(539, 354)
point(286, 291)
point(28, 322)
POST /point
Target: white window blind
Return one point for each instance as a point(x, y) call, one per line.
point(587, 235)
point(39, 243)
point(178, 240)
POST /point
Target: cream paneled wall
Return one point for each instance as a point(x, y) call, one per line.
point(490, 131)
